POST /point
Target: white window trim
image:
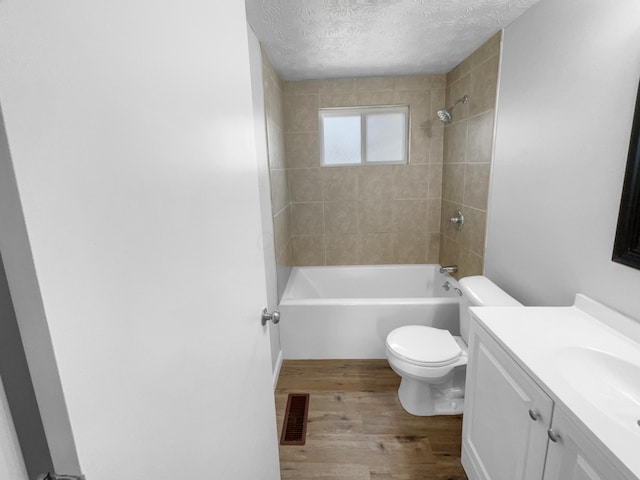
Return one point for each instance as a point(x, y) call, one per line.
point(363, 112)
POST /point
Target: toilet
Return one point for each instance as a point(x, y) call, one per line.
point(432, 362)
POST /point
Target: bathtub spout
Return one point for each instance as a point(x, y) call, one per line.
point(449, 269)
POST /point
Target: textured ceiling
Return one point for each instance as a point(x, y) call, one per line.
point(311, 39)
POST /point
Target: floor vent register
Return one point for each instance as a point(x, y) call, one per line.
point(294, 428)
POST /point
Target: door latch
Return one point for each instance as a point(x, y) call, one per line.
point(57, 476)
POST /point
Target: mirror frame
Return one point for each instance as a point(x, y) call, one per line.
point(626, 249)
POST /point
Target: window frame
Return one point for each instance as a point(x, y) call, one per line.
point(363, 112)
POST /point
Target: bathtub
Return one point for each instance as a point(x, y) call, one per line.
point(346, 312)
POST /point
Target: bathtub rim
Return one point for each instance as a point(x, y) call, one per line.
point(288, 299)
point(368, 301)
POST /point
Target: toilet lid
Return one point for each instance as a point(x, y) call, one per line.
point(424, 345)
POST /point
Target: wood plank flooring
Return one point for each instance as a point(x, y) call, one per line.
point(357, 429)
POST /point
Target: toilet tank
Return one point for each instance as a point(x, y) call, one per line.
point(479, 291)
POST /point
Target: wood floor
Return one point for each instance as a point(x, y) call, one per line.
point(357, 429)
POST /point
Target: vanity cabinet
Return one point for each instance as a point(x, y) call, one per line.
point(513, 431)
point(573, 456)
point(506, 416)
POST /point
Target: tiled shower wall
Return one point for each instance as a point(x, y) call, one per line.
point(468, 143)
point(364, 214)
point(280, 199)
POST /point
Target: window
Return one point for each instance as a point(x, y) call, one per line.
point(372, 135)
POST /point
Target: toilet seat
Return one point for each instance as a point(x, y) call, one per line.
point(424, 346)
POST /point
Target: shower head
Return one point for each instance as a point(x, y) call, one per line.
point(445, 114)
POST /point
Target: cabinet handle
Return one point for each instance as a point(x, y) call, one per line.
point(553, 436)
point(533, 413)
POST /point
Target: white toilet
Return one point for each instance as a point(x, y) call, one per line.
point(432, 362)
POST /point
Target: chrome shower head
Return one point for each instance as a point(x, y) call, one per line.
point(445, 114)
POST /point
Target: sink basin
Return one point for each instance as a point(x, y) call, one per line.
point(608, 382)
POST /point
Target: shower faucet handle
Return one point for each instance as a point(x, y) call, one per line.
point(458, 220)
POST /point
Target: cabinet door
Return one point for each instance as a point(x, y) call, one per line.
point(506, 416)
point(572, 456)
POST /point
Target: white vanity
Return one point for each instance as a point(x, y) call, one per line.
point(552, 393)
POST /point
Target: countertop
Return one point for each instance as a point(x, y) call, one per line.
point(582, 356)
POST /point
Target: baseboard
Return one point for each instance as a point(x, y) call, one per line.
point(276, 370)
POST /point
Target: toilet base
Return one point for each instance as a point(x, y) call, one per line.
point(427, 399)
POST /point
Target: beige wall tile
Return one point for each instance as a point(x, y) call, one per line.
point(439, 81)
point(338, 85)
point(456, 91)
point(375, 182)
point(376, 249)
point(275, 146)
point(341, 217)
point(339, 183)
point(410, 181)
point(352, 220)
point(305, 184)
point(375, 216)
point(301, 113)
point(476, 185)
point(484, 81)
point(469, 264)
point(419, 106)
point(410, 247)
point(374, 84)
point(435, 181)
point(419, 145)
point(472, 236)
point(333, 100)
point(280, 198)
point(462, 69)
point(410, 215)
point(434, 215)
point(282, 230)
point(307, 218)
point(279, 190)
point(433, 248)
point(302, 150)
point(273, 98)
point(488, 49)
point(309, 250)
point(466, 184)
point(449, 252)
point(436, 148)
point(480, 137)
point(448, 229)
point(455, 142)
point(375, 98)
point(271, 71)
point(342, 249)
point(453, 182)
point(438, 101)
point(270, 94)
point(303, 87)
point(286, 257)
point(414, 82)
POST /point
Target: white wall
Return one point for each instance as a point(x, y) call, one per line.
point(568, 84)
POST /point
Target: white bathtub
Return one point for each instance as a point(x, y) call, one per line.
point(347, 312)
